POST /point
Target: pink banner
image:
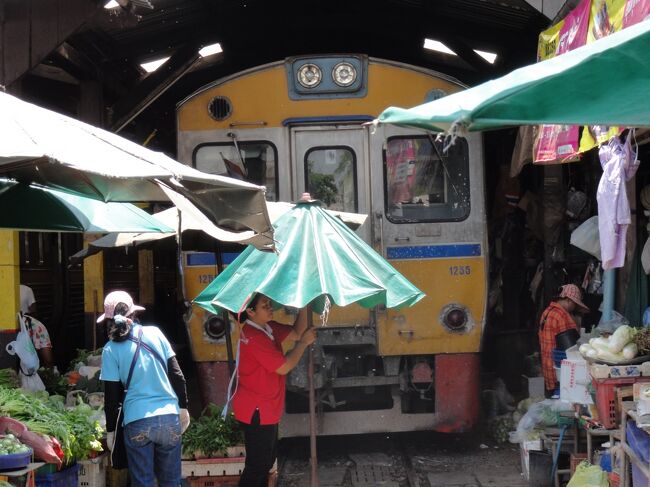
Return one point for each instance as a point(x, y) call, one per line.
point(560, 143)
point(635, 11)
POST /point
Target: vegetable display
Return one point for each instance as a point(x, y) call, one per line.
point(76, 429)
point(616, 348)
point(642, 341)
point(9, 445)
point(210, 434)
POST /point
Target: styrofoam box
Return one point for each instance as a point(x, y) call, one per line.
point(92, 472)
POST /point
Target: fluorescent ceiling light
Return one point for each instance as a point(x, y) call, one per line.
point(151, 66)
point(210, 50)
point(437, 46)
point(112, 4)
point(490, 57)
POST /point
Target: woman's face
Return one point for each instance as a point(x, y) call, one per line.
point(263, 312)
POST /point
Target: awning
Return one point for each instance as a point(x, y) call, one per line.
point(602, 83)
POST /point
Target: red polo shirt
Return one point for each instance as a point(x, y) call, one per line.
point(260, 387)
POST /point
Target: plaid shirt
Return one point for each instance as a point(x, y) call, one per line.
point(555, 319)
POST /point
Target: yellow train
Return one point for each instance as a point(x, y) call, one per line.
point(298, 125)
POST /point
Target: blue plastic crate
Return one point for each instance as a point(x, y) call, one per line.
point(65, 478)
point(638, 440)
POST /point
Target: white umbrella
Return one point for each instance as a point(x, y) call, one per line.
point(44, 147)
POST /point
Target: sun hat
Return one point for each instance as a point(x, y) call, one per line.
point(113, 299)
point(572, 292)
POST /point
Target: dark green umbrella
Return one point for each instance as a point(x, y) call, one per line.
point(318, 259)
point(39, 209)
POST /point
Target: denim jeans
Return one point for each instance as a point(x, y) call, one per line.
point(153, 447)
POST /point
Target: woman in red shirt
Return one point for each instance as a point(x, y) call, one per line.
point(258, 402)
point(555, 320)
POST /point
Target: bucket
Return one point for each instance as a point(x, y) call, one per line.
point(566, 339)
point(558, 356)
point(541, 465)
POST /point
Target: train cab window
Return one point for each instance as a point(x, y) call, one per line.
point(256, 163)
point(423, 184)
point(330, 176)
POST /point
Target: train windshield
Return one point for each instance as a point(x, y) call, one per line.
point(330, 174)
point(255, 162)
point(425, 184)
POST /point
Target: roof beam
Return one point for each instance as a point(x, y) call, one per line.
point(153, 85)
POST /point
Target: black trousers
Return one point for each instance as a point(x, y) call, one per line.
point(261, 451)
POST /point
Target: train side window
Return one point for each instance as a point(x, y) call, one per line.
point(257, 163)
point(330, 176)
point(422, 183)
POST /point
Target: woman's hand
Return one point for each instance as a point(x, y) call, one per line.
point(308, 337)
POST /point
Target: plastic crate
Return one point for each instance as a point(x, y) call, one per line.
point(92, 473)
point(65, 478)
point(605, 398)
point(225, 481)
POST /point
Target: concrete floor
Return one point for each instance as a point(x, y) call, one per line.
point(403, 460)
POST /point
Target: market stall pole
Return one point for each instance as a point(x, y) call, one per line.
point(320, 262)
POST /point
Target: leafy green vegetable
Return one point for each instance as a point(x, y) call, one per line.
point(54, 382)
point(211, 434)
point(9, 378)
point(77, 431)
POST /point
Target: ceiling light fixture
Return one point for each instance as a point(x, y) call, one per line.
point(437, 46)
point(490, 57)
point(151, 66)
point(210, 50)
point(111, 4)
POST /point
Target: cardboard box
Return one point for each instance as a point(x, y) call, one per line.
point(524, 448)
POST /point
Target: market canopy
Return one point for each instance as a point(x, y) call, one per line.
point(602, 83)
point(49, 149)
point(34, 208)
point(199, 236)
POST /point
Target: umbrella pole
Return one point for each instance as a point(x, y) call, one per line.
point(312, 407)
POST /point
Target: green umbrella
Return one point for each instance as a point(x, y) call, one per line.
point(35, 208)
point(319, 259)
point(602, 83)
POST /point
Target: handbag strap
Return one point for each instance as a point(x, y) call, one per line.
point(135, 359)
point(149, 349)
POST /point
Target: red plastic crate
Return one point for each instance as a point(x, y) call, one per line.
point(606, 397)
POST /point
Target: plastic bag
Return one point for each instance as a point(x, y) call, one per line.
point(587, 238)
point(32, 383)
point(610, 326)
point(42, 446)
point(588, 475)
point(24, 348)
point(539, 414)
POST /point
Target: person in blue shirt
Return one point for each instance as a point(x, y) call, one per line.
point(154, 411)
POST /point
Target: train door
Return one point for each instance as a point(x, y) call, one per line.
point(331, 163)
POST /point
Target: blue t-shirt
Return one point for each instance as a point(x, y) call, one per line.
point(150, 392)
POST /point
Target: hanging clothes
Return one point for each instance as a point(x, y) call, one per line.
point(619, 163)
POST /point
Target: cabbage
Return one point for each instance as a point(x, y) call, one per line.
point(621, 337)
point(630, 351)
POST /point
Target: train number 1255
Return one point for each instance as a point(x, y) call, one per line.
point(460, 270)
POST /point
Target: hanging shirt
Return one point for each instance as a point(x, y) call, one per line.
point(619, 164)
point(260, 386)
point(555, 320)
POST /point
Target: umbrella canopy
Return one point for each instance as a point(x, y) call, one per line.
point(44, 147)
point(34, 208)
point(602, 83)
point(200, 233)
point(318, 257)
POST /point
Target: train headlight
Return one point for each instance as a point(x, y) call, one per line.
point(344, 74)
point(215, 327)
point(309, 75)
point(455, 318)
